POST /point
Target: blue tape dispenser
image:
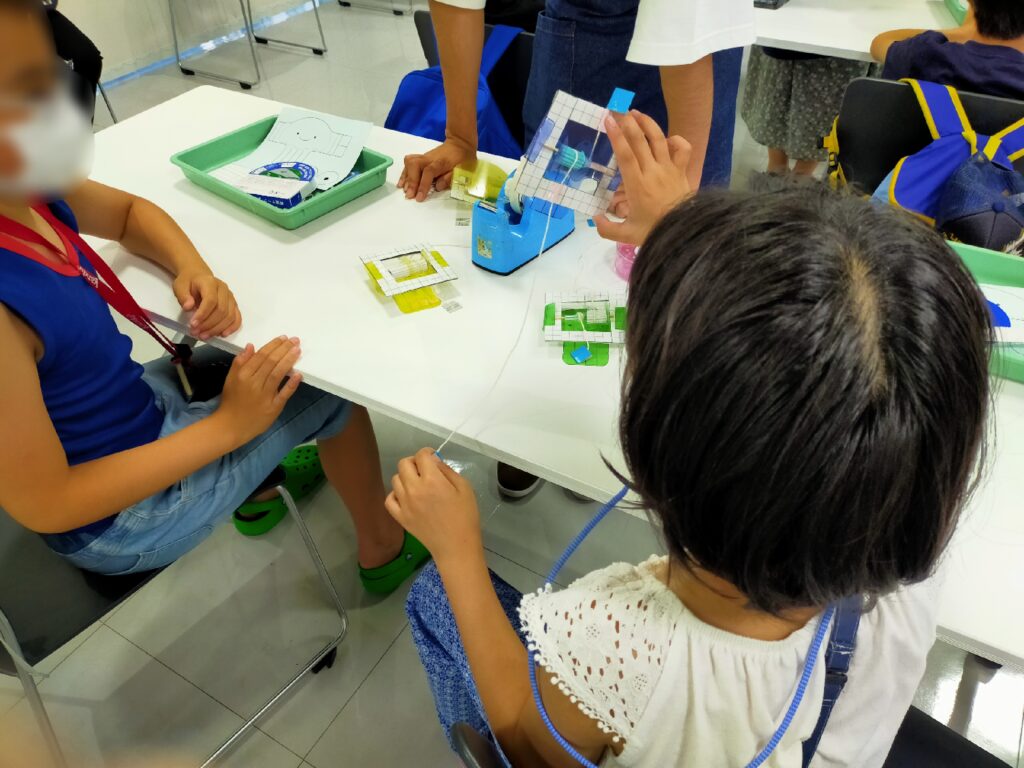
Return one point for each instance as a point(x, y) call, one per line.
point(570, 157)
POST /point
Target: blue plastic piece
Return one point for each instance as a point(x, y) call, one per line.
point(1000, 319)
point(621, 100)
point(504, 240)
point(581, 355)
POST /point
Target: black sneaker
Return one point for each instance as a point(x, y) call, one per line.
point(515, 483)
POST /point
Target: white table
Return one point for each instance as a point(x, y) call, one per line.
point(429, 369)
point(432, 368)
point(845, 28)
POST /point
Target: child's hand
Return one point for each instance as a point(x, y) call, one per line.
point(434, 169)
point(653, 176)
point(216, 312)
point(257, 388)
point(436, 505)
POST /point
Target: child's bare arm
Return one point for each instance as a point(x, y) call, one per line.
point(43, 493)
point(881, 44)
point(439, 507)
point(147, 230)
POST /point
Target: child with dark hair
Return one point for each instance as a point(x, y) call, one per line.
point(802, 411)
point(983, 55)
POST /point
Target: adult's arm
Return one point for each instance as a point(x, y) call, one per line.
point(459, 28)
point(689, 91)
point(680, 36)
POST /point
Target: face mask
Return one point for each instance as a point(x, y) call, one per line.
point(55, 144)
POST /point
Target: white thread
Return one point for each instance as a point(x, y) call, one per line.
point(519, 336)
point(529, 301)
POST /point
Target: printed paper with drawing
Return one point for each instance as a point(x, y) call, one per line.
point(329, 143)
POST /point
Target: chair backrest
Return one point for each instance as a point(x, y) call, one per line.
point(46, 599)
point(923, 742)
point(507, 81)
point(880, 122)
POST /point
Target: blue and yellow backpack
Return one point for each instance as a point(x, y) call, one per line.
point(918, 181)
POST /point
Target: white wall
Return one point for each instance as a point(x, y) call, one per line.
point(134, 33)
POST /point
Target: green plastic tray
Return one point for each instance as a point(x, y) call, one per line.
point(197, 163)
point(958, 9)
point(997, 268)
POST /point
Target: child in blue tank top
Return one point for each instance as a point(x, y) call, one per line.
point(107, 458)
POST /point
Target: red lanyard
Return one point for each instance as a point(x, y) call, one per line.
point(105, 282)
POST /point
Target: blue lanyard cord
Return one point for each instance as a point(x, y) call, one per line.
point(575, 543)
point(805, 677)
point(547, 720)
point(573, 546)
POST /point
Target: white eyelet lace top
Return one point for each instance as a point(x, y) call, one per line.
point(674, 691)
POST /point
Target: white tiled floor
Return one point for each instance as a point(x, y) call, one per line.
point(175, 669)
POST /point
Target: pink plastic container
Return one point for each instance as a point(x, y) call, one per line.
point(625, 256)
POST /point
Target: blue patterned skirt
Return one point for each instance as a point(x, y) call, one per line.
point(440, 647)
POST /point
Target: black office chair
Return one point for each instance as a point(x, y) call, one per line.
point(45, 602)
point(880, 122)
point(921, 742)
point(474, 750)
point(507, 81)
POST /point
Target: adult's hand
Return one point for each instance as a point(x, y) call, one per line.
point(434, 169)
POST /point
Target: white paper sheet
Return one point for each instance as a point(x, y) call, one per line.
point(329, 143)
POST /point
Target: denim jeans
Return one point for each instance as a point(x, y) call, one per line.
point(581, 48)
point(158, 530)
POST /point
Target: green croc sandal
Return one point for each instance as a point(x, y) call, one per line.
point(385, 579)
point(300, 473)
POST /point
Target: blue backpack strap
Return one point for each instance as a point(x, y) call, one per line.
point(1011, 140)
point(841, 645)
point(500, 39)
point(942, 109)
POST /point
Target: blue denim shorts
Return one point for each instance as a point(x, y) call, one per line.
point(158, 530)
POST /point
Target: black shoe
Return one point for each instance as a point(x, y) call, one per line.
point(515, 483)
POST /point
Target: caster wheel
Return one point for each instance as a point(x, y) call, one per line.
point(326, 662)
point(246, 86)
point(188, 72)
point(260, 40)
point(398, 13)
point(318, 52)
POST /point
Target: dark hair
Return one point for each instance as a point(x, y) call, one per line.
point(805, 393)
point(1000, 19)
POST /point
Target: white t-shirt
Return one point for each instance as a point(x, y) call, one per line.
point(682, 694)
point(670, 32)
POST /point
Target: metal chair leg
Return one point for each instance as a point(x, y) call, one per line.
point(262, 39)
point(191, 71)
point(323, 656)
point(32, 694)
point(106, 100)
point(314, 554)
